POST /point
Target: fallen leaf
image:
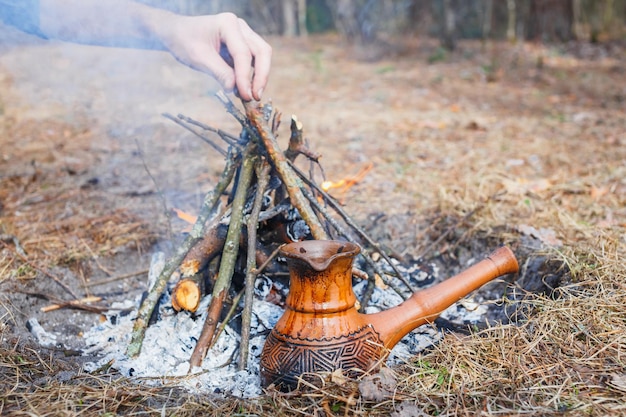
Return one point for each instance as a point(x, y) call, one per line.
point(189, 218)
point(618, 382)
point(598, 192)
point(408, 409)
point(547, 236)
point(338, 377)
point(379, 386)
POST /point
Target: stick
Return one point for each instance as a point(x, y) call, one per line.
point(204, 138)
point(76, 304)
point(19, 252)
point(205, 250)
point(226, 137)
point(228, 317)
point(118, 278)
point(262, 174)
point(297, 145)
point(290, 179)
point(229, 258)
point(209, 204)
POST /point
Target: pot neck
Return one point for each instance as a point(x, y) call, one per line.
point(321, 276)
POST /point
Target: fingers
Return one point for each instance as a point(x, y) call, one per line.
point(262, 53)
point(198, 42)
point(244, 46)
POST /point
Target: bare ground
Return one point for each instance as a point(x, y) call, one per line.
point(469, 150)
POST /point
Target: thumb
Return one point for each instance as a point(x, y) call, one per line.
point(222, 72)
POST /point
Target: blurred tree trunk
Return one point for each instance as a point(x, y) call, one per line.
point(290, 25)
point(302, 10)
point(511, 19)
point(523, 14)
point(487, 18)
point(355, 20)
point(551, 19)
point(346, 19)
point(266, 16)
point(577, 19)
point(448, 26)
point(294, 18)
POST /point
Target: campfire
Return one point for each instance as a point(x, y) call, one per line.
point(262, 200)
point(228, 263)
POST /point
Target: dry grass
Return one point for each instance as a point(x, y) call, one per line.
point(53, 213)
point(568, 354)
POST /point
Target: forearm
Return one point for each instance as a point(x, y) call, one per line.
point(195, 41)
point(120, 23)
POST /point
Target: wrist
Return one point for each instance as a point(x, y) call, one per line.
point(155, 25)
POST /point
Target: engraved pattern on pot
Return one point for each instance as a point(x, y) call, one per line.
point(286, 358)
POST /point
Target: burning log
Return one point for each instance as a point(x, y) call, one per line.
point(187, 293)
point(204, 251)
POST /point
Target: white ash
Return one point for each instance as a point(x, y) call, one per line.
point(43, 337)
point(169, 342)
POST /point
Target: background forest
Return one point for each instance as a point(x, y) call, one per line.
point(368, 21)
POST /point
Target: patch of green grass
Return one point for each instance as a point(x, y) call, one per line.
point(440, 54)
point(385, 69)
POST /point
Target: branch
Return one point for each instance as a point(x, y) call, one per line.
point(204, 138)
point(229, 258)
point(290, 179)
point(297, 145)
point(262, 174)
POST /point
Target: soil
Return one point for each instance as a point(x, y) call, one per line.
point(90, 170)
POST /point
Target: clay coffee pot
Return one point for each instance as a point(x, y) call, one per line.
point(321, 330)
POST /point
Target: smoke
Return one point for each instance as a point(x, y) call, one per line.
point(117, 97)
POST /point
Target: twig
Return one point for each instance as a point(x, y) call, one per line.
point(273, 212)
point(290, 179)
point(40, 270)
point(229, 257)
point(229, 315)
point(269, 259)
point(226, 137)
point(233, 110)
point(159, 191)
point(204, 138)
point(118, 278)
point(197, 232)
point(76, 304)
point(16, 242)
point(450, 229)
point(262, 174)
point(95, 258)
point(297, 145)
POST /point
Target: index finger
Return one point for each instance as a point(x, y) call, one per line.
point(262, 53)
point(242, 61)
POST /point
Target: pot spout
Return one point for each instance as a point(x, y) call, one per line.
point(426, 305)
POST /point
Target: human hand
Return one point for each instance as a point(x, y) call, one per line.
point(196, 41)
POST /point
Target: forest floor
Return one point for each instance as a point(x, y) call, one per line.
point(490, 144)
